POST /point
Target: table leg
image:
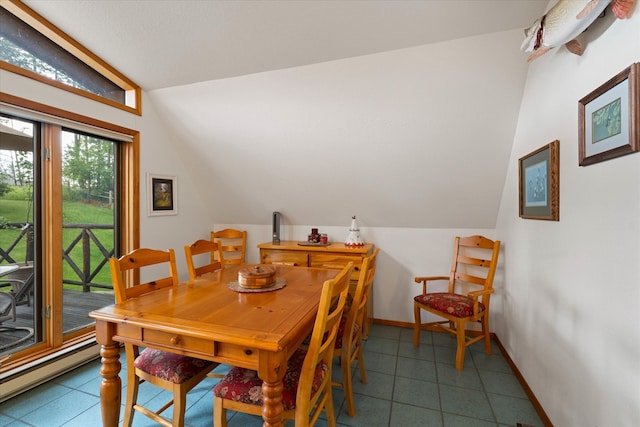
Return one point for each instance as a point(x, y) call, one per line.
point(111, 386)
point(272, 409)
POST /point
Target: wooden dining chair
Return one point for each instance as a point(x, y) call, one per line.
point(348, 346)
point(307, 381)
point(170, 371)
point(200, 247)
point(233, 245)
point(475, 259)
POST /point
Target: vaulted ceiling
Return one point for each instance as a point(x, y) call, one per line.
point(410, 106)
point(166, 43)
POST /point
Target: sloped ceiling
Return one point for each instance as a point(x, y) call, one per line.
point(409, 107)
point(167, 43)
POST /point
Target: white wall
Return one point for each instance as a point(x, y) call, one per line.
point(161, 153)
point(567, 312)
point(375, 136)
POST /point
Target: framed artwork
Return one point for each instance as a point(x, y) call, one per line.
point(162, 195)
point(539, 180)
point(609, 119)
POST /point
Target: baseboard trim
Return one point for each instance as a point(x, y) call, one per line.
point(38, 372)
point(532, 397)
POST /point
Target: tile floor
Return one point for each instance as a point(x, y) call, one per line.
point(406, 386)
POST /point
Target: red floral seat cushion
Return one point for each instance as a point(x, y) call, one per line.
point(170, 366)
point(453, 304)
point(243, 385)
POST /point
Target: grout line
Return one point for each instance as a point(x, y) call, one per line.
point(484, 389)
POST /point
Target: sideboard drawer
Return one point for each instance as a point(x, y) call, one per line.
point(337, 262)
point(292, 258)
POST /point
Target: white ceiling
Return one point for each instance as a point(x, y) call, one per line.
point(176, 42)
point(411, 89)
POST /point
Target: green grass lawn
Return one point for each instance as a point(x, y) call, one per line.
point(13, 210)
point(72, 213)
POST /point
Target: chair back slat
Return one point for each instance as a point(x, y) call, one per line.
point(475, 260)
point(123, 269)
point(477, 242)
point(467, 278)
point(232, 243)
point(200, 247)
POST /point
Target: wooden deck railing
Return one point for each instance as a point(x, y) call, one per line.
point(26, 233)
point(83, 273)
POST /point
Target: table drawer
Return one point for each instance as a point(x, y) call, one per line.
point(177, 341)
point(235, 354)
point(245, 357)
point(337, 262)
point(292, 258)
point(164, 339)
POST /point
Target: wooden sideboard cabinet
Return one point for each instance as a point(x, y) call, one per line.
point(334, 256)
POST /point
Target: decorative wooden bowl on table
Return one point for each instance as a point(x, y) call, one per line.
point(257, 277)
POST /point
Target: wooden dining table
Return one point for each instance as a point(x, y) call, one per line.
point(208, 319)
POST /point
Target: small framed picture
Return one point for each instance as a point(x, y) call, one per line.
point(539, 180)
point(609, 119)
point(162, 195)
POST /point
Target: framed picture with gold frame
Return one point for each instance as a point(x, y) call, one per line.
point(162, 195)
point(539, 180)
point(609, 118)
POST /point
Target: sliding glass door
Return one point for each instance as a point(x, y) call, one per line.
point(58, 205)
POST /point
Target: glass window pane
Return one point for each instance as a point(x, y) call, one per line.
point(24, 47)
point(88, 206)
point(20, 302)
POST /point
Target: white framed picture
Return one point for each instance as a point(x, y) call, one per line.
point(162, 194)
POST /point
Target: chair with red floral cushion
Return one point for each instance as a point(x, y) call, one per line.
point(200, 247)
point(475, 259)
point(173, 372)
point(307, 381)
point(349, 342)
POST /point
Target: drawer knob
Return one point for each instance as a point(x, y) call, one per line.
point(248, 352)
point(175, 340)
